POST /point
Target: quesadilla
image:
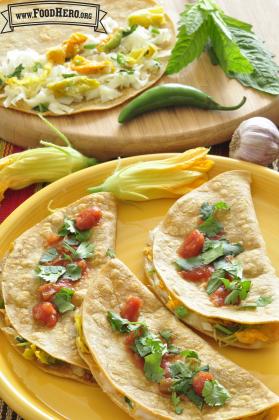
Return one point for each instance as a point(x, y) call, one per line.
point(66, 71)
point(152, 365)
point(45, 278)
point(207, 262)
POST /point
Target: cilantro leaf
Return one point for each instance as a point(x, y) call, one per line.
point(210, 227)
point(37, 66)
point(50, 255)
point(122, 325)
point(110, 253)
point(195, 398)
point(264, 301)
point(175, 400)
point(181, 312)
point(166, 335)
point(234, 268)
point(152, 367)
point(180, 370)
point(50, 273)
point(173, 349)
point(149, 344)
point(213, 254)
point(73, 272)
point(214, 394)
point(191, 39)
point(83, 235)
point(208, 210)
point(189, 263)
point(63, 300)
point(215, 281)
point(17, 71)
point(264, 76)
point(85, 250)
point(67, 227)
point(192, 354)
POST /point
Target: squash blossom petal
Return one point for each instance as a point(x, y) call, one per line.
point(43, 164)
point(166, 178)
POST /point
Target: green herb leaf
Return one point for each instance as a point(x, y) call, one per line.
point(189, 263)
point(110, 253)
point(17, 72)
point(215, 281)
point(208, 210)
point(67, 227)
point(226, 330)
point(69, 75)
point(175, 400)
point(129, 402)
point(264, 76)
point(191, 354)
point(181, 312)
point(213, 254)
point(43, 107)
point(166, 335)
point(214, 394)
point(155, 31)
point(233, 268)
point(152, 367)
point(129, 31)
point(50, 273)
point(83, 236)
point(210, 227)
point(195, 398)
point(264, 301)
point(73, 272)
point(191, 39)
point(226, 49)
point(173, 349)
point(232, 298)
point(63, 300)
point(50, 255)
point(180, 370)
point(85, 250)
point(122, 325)
point(149, 344)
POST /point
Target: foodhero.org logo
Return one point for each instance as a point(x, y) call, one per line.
point(53, 13)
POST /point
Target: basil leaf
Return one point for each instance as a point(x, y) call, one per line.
point(181, 312)
point(189, 263)
point(195, 398)
point(73, 272)
point(85, 250)
point(210, 227)
point(264, 301)
point(152, 367)
point(264, 76)
point(214, 394)
point(17, 71)
point(191, 39)
point(122, 325)
point(50, 255)
point(63, 300)
point(50, 273)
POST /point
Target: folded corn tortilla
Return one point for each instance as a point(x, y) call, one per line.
point(20, 284)
point(127, 385)
point(240, 225)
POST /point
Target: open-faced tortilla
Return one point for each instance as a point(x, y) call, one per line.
point(115, 369)
point(31, 284)
point(251, 320)
point(101, 71)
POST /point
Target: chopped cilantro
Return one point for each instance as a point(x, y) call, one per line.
point(17, 71)
point(180, 370)
point(213, 254)
point(264, 301)
point(189, 263)
point(234, 268)
point(129, 402)
point(192, 354)
point(43, 107)
point(50, 273)
point(85, 250)
point(214, 394)
point(73, 272)
point(210, 227)
point(50, 255)
point(67, 227)
point(181, 312)
point(152, 367)
point(207, 210)
point(110, 253)
point(175, 400)
point(166, 335)
point(149, 343)
point(68, 75)
point(63, 300)
point(215, 281)
point(122, 325)
point(226, 330)
point(195, 398)
point(240, 290)
point(173, 349)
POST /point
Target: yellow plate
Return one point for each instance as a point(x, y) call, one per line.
point(37, 395)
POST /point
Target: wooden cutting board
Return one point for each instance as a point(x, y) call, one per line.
point(99, 134)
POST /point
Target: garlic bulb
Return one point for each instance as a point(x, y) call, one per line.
point(256, 140)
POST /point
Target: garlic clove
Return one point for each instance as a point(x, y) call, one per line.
point(256, 140)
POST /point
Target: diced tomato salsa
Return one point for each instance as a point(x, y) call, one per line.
point(199, 380)
point(192, 245)
point(46, 314)
point(131, 308)
point(88, 218)
point(198, 274)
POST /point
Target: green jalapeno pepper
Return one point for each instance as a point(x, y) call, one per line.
point(171, 94)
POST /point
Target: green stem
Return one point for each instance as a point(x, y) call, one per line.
point(56, 131)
